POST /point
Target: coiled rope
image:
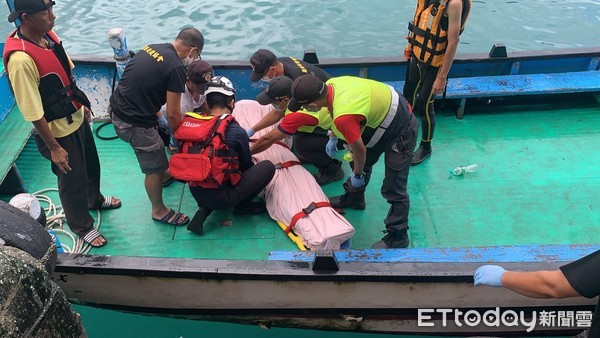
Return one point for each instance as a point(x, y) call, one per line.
point(55, 217)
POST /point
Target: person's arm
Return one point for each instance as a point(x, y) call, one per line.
point(349, 126)
point(539, 284)
point(241, 145)
point(25, 81)
point(454, 12)
point(173, 110)
point(267, 141)
point(535, 284)
point(58, 154)
point(359, 156)
point(272, 117)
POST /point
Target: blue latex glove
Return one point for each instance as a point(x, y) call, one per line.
point(331, 147)
point(357, 182)
point(489, 275)
point(250, 132)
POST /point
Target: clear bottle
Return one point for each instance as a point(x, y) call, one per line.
point(461, 170)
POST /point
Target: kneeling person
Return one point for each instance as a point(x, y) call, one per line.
point(309, 129)
point(215, 160)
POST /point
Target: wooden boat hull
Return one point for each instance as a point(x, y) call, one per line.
point(375, 291)
point(364, 295)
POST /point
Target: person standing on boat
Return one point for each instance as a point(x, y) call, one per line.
point(373, 119)
point(40, 76)
point(230, 179)
point(154, 76)
point(578, 278)
point(310, 131)
point(432, 43)
point(198, 73)
point(311, 140)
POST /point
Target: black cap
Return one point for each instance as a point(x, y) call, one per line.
point(279, 88)
point(305, 89)
point(199, 71)
point(260, 61)
point(28, 6)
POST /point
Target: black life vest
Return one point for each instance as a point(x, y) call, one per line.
point(204, 159)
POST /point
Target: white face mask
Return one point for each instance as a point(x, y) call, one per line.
point(267, 79)
point(189, 60)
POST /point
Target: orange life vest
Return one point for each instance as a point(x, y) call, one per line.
point(60, 96)
point(429, 29)
point(204, 159)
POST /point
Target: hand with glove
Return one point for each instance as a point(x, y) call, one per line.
point(250, 132)
point(331, 147)
point(357, 181)
point(489, 275)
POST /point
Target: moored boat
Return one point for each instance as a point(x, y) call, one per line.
point(530, 206)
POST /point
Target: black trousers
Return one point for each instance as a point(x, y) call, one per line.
point(311, 148)
point(252, 182)
point(78, 189)
point(417, 90)
point(397, 158)
point(398, 146)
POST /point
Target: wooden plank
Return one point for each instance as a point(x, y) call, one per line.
point(497, 254)
point(529, 84)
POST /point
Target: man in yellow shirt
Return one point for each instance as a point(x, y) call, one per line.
point(40, 75)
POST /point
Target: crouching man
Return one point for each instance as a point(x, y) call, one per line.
point(215, 159)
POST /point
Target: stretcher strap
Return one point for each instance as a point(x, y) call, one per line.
point(279, 143)
point(305, 212)
point(283, 165)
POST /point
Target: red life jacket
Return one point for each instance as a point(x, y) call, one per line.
point(60, 96)
point(204, 159)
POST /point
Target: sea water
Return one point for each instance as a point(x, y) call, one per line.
point(234, 29)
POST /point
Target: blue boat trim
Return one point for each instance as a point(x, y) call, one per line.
point(504, 254)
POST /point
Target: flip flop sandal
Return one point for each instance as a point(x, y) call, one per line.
point(172, 218)
point(91, 236)
point(108, 203)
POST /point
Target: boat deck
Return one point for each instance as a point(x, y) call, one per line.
point(537, 183)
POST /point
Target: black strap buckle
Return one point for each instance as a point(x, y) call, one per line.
point(310, 208)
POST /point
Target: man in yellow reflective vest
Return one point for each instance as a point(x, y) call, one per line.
point(373, 119)
point(432, 44)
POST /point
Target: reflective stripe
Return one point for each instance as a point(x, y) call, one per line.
point(388, 119)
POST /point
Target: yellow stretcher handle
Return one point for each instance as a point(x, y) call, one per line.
point(293, 237)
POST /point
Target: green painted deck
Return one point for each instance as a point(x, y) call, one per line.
point(537, 183)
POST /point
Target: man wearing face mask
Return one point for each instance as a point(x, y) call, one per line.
point(198, 73)
point(310, 130)
point(155, 75)
point(266, 66)
point(312, 145)
point(373, 119)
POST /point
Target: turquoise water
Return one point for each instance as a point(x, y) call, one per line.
point(234, 29)
point(129, 325)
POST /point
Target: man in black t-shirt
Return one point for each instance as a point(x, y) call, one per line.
point(579, 278)
point(154, 76)
point(266, 66)
point(310, 146)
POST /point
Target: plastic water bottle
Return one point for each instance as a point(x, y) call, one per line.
point(461, 170)
point(118, 42)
